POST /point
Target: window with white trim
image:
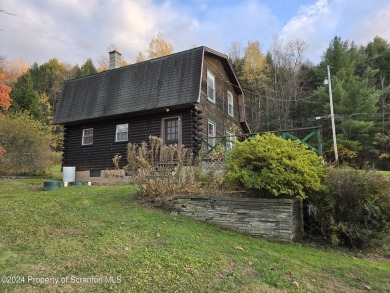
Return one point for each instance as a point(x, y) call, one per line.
point(122, 132)
point(211, 133)
point(230, 104)
point(230, 140)
point(210, 87)
point(87, 136)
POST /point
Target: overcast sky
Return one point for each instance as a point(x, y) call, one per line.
point(75, 30)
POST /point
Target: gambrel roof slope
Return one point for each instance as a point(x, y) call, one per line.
point(164, 82)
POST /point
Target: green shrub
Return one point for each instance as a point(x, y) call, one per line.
point(25, 143)
point(353, 208)
point(273, 165)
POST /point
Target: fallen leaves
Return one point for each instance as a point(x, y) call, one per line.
point(239, 248)
point(295, 284)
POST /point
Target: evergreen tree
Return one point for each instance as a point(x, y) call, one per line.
point(48, 79)
point(25, 97)
point(354, 100)
point(378, 57)
point(88, 68)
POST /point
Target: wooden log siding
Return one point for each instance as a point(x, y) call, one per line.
point(98, 156)
point(276, 219)
point(218, 112)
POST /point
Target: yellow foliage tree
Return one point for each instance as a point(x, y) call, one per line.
point(254, 69)
point(158, 47)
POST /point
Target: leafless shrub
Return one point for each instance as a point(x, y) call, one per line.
point(163, 170)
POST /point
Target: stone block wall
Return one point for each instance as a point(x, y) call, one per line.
point(276, 219)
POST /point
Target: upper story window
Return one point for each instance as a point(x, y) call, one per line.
point(210, 87)
point(122, 132)
point(230, 104)
point(87, 136)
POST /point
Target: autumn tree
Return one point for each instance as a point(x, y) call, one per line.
point(254, 76)
point(5, 99)
point(158, 47)
point(12, 70)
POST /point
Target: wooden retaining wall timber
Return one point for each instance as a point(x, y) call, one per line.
point(275, 219)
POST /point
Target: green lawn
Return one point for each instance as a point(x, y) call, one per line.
point(385, 173)
point(102, 231)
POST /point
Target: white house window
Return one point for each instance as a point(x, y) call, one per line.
point(230, 104)
point(121, 133)
point(210, 87)
point(230, 140)
point(211, 133)
point(87, 136)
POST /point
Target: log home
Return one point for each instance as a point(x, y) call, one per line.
point(191, 97)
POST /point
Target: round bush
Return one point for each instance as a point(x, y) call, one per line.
point(271, 164)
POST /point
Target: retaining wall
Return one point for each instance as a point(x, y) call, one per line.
point(276, 219)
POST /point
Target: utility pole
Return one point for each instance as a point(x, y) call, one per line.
point(332, 118)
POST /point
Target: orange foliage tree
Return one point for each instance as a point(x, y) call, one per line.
point(5, 99)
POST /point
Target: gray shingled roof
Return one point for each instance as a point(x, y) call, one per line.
point(158, 83)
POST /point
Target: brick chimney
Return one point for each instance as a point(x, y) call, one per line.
point(115, 59)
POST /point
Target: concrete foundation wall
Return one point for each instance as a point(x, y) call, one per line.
point(106, 177)
point(276, 219)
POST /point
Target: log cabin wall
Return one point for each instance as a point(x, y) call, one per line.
point(98, 156)
point(218, 111)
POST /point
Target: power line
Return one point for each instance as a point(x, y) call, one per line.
point(276, 99)
point(372, 25)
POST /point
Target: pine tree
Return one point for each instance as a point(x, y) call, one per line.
point(354, 100)
point(25, 97)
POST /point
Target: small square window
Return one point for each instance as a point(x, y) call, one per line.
point(230, 104)
point(87, 136)
point(121, 133)
point(210, 87)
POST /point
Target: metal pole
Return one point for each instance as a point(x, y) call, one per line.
point(332, 118)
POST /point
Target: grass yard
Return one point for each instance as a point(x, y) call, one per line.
point(100, 239)
point(385, 173)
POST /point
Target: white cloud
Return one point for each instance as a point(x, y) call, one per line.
point(318, 23)
point(74, 30)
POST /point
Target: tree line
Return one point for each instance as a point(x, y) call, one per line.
point(282, 91)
